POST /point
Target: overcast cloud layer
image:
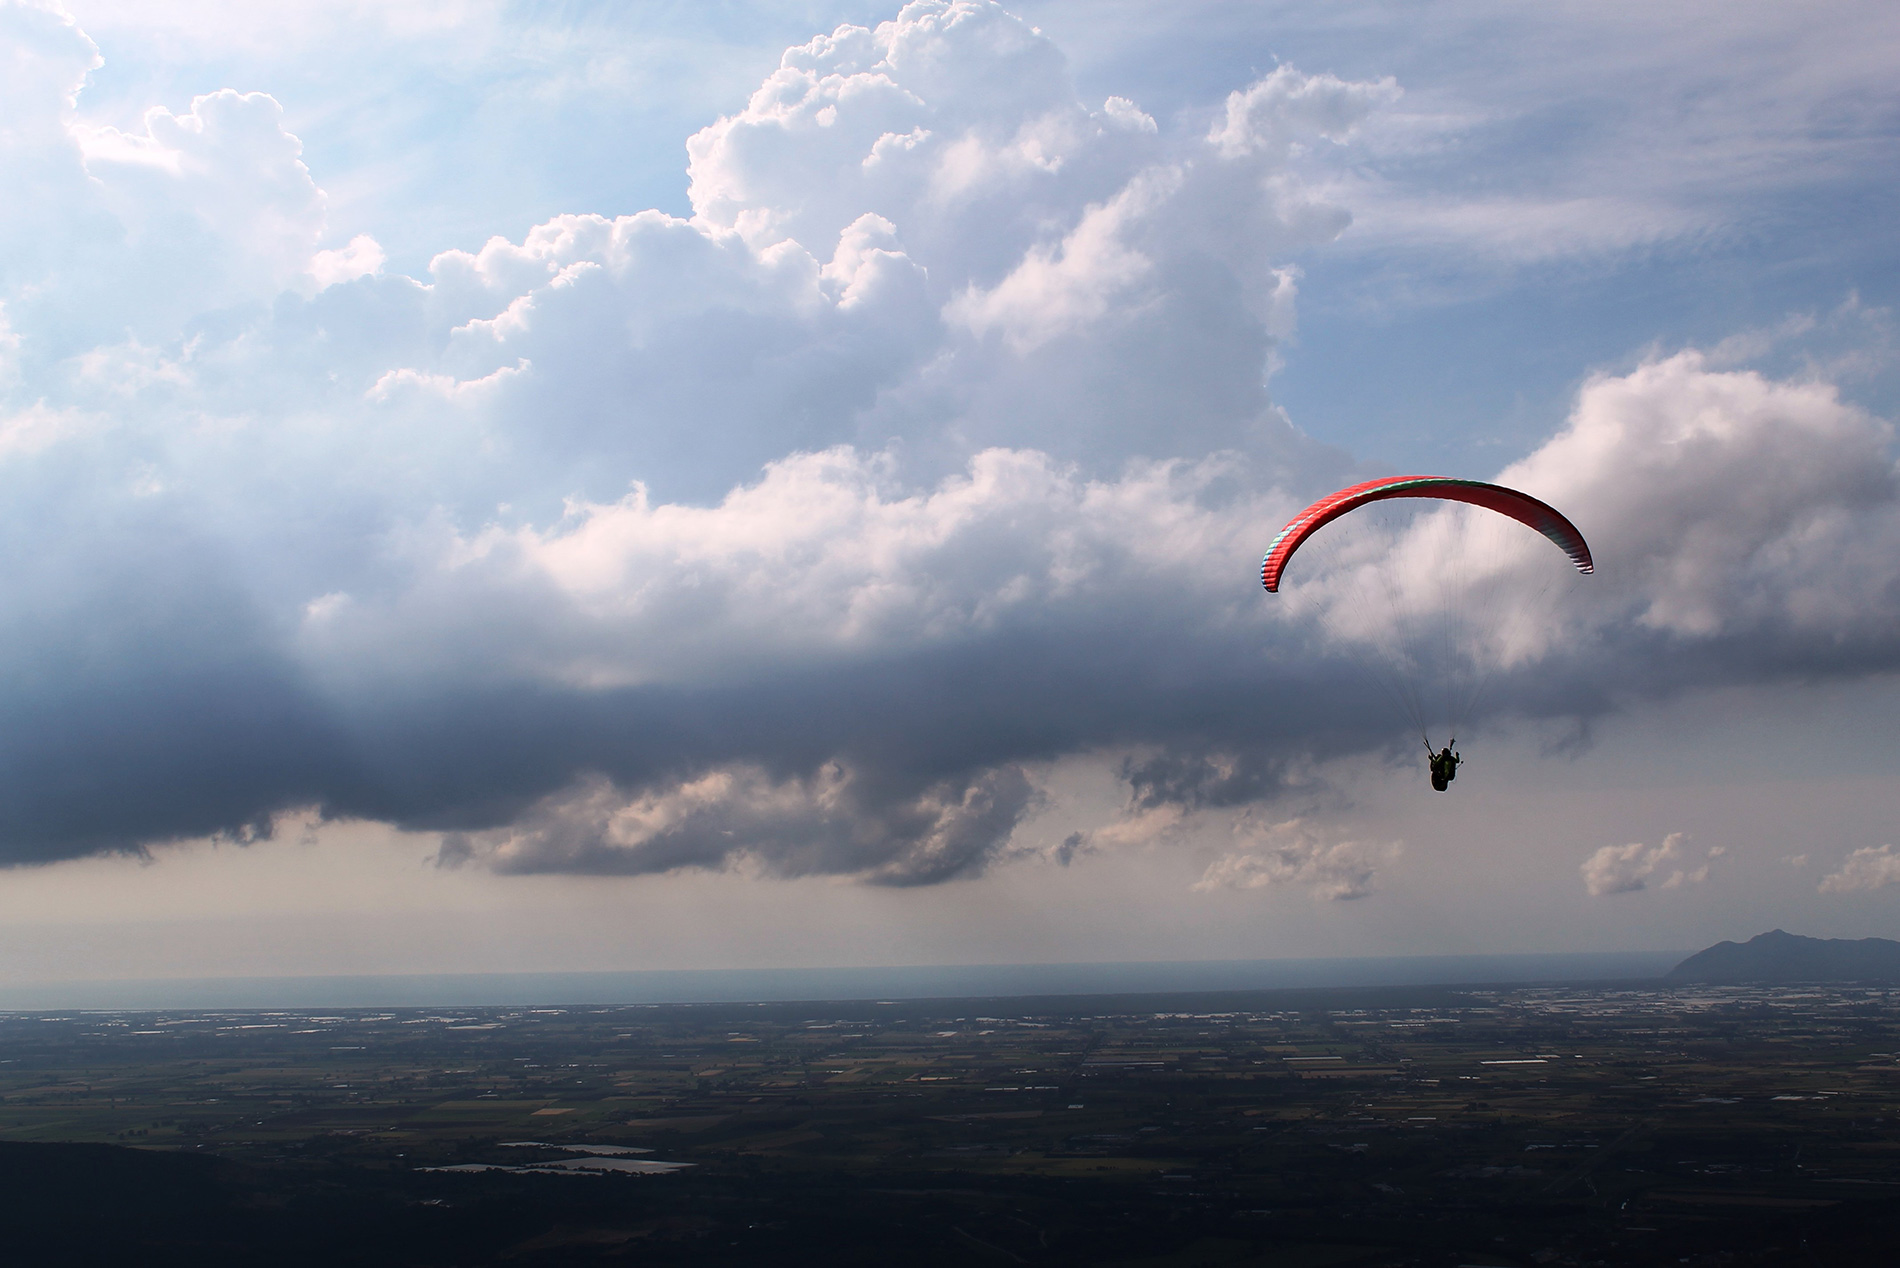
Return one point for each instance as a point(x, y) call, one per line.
point(801, 534)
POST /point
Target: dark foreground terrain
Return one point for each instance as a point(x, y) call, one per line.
point(1431, 1126)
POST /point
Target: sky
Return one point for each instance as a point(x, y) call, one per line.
point(546, 487)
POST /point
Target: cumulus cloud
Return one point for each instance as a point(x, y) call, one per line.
point(1695, 875)
point(1656, 461)
point(1294, 853)
point(1707, 572)
point(798, 534)
point(360, 257)
point(1869, 867)
point(355, 539)
point(1284, 110)
point(826, 823)
point(1623, 869)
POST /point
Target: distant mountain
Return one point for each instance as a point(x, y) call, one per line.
point(1788, 957)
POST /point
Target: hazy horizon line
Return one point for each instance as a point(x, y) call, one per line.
point(825, 983)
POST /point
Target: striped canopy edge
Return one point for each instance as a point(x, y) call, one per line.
point(1521, 507)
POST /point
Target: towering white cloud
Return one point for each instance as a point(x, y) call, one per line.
point(1727, 505)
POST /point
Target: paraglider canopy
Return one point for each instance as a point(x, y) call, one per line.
point(1429, 626)
point(1521, 507)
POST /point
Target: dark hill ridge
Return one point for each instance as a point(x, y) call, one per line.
point(1788, 957)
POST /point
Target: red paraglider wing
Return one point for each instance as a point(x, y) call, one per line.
point(1521, 507)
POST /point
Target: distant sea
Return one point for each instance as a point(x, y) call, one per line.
point(737, 986)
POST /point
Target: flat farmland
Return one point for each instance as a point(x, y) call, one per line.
point(1610, 1124)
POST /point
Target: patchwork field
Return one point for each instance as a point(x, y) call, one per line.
point(1419, 1126)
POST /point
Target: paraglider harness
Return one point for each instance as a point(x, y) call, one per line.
point(1444, 764)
